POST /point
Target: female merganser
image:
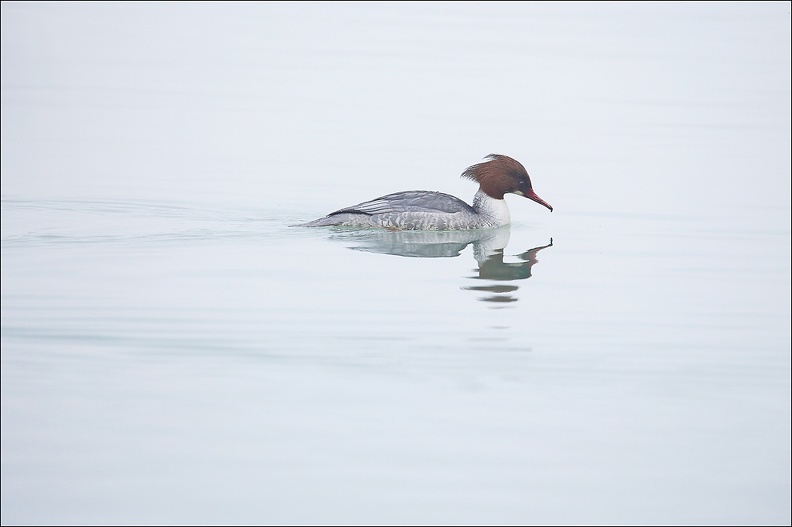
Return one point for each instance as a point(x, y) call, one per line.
point(425, 210)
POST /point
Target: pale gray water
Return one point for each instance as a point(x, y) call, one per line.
point(173, 352)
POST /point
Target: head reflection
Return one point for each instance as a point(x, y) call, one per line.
point(488, 246)
point(492, 267)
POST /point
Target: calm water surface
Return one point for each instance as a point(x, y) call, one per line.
point(173, 352)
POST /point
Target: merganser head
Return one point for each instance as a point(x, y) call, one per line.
point(502, 175)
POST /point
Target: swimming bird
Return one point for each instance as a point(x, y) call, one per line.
point(427, 210)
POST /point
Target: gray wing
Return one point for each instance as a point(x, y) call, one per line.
point(408, 201)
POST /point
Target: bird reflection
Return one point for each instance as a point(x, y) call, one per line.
point(488, 246)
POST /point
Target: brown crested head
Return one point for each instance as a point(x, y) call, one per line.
point(502, 175)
